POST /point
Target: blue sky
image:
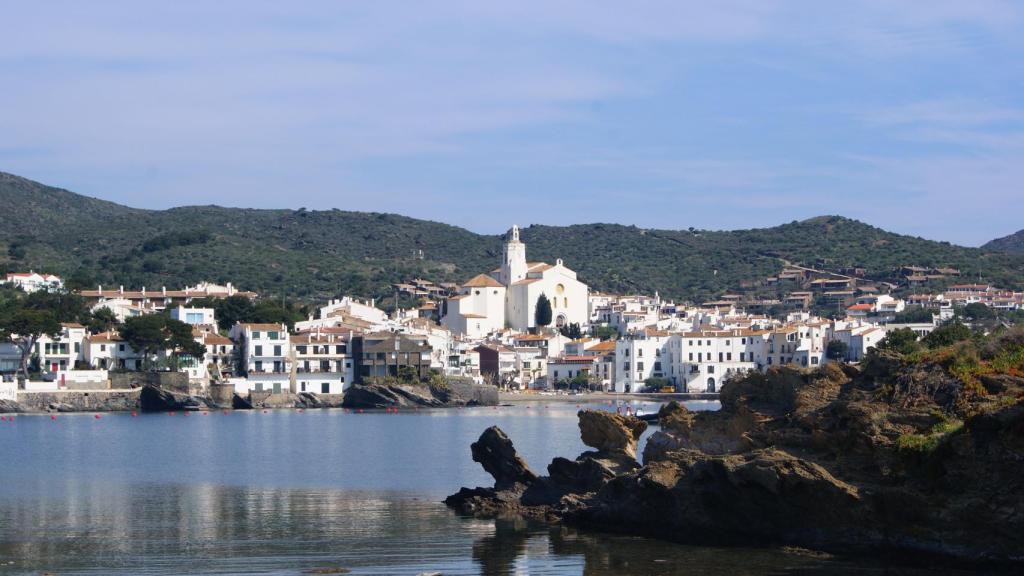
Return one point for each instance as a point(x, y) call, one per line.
point(730, 114)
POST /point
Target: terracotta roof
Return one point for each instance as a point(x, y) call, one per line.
point(606, 346)
point(105, 337)
point(572, 360)
point(216, 339)
point(860, 307)
point(483, 281)
point(72, 325)
point(260, 327)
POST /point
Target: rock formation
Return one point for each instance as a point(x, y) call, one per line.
point(154, 399)
point(374, 395)
point(891, 455)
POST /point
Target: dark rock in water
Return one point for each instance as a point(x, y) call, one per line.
point(10, 407)
point(494, 451)
point(239, 403)
point(153, 399)
point(311, 400)
point(371, 396)
point(389, 396)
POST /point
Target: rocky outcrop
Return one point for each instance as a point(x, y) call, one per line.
point(375, 396)
point(311, 400)
point(154, 399)
point(10, 407)
point(892, 455)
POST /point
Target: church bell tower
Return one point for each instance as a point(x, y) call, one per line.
point(513, 265)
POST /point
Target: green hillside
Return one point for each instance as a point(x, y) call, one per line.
point(304, 253)
point(1013, 243)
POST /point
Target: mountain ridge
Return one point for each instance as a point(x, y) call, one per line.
point(318, 253)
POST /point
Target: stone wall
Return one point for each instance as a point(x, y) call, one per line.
point(79, 401)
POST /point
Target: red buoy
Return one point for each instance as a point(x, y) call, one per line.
point(225, 412)
point(97, 416)
point(134, 414)
point(52, 417)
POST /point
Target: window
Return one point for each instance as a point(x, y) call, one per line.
point(103, 347)
point(726, 342)
point(711, 369)
point(277, 350)
point(814, 360)
point(742, 354)
point(272, 335)
point(121, 347)
point(258, 350)
point(700, 356)
point(625, 366)
point(258, 366)
point(720, 355)
point(691, 356)
point(303, 386)
point(255, 335)
point(640, 353)
point(728, 356)
point(300, 349)
point(556, 372)
point(339, 349)
point(639, 366)
point(743, 341)
point(325, 388)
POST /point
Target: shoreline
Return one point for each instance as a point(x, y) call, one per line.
point(661, 397)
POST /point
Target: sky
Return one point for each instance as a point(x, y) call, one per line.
point(730, 114)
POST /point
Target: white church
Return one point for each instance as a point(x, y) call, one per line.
point(507, 297)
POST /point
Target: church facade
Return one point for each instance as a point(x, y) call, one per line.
point(507, 296)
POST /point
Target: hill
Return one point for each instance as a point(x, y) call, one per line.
point(306, 253)
point(1012, 243)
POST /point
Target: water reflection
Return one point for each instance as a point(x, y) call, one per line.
point(174, 529)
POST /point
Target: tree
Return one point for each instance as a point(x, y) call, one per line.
point(232, 310)
point(977, 311)
point(572, 331)
point(146, 335)
point(947, 334)
point(101, 320)
point(913, 315)
point(23, 327)
point(181, 342)
point(902, 341)
point(837, 350)
point(604, 332)
point(542, 316)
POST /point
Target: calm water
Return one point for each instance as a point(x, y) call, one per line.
point(286, 492)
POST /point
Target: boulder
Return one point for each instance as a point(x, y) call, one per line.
point(373, 396)
point(239, 403)
point(611, 433)
point(154, 399)
point(494, 451)
point(10, 406)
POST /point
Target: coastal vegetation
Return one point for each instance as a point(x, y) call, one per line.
point(307, 254)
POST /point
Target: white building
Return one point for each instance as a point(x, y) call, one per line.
point(478, 306)
point(194, 316)
point(33, 281)
point(265, 356)
point(322, 362)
